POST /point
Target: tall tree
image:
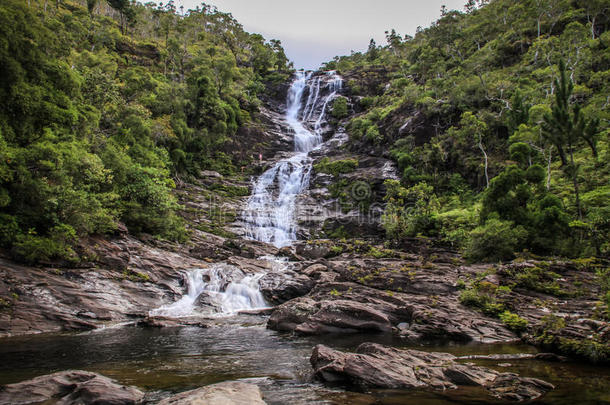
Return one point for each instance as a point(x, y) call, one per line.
point(565, 125)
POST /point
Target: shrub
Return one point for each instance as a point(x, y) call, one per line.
point(339, 108)
point(495, 241)
point(336, 167)
point(513, 321)
point(33, 248)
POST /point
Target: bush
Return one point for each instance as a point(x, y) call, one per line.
point(339, 108)
point(495, 241)
point(336, 167)
point(513, 321)
point(33, 248)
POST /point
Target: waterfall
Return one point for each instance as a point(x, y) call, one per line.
point(221, 288)
point(270, 213)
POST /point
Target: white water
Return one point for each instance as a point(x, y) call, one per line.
point(222, 294)
point(270, 212)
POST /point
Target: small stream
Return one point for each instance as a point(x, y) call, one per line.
point(168, 360)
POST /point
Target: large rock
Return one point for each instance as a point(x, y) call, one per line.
point(70, 387)
point(377, 366)
point(281, 287)
point(55, 299)
point(345, 307)
point(225, 393)
point(309, 317)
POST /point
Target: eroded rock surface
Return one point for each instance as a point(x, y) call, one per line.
point(383, 295)
point(130, 279)
point(73, 387)
point(225, 393)
point(377, 366)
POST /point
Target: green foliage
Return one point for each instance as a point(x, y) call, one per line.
point(495, 241)
point(339, 108)
point(355, 194)
point(97, 116)
point(484, 296)
point(336, 167)
point(33, 248)
point(410, 211)
point(603, 275)
point(548, 334)
point(515, 91)
point(513, 321)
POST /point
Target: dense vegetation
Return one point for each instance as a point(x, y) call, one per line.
point(104, 104)
point(499, 120)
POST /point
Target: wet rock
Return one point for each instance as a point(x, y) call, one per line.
point(225, 393)
point(517, 356)
point(131, 278)
point(509, 386)
point(289, 253)
point(162, 322)
point(315, 270)
point(288, 316)
point(313, 250)
point(309, 317)
point(261, 311)
point(281, 287)
point(208, 302)
point(70, 387)
point(345, 307)
point(550, 357)
point(377, 366)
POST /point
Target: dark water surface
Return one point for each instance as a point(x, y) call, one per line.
point(168, 360)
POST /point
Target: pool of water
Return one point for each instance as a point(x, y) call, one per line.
point(168, 360)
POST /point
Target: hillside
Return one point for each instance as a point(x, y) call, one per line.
point(499, 149)
point(104, 106)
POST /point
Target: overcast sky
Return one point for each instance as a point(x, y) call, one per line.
point(314, 31)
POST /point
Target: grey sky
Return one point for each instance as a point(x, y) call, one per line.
point(314, 31)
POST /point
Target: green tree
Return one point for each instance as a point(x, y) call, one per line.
point(565, 126)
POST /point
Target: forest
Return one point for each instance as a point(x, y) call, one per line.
point(105, 105)
point(498, 118)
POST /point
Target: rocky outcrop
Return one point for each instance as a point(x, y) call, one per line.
point(307, 316)
point(382, 295)
point(377, 366)
point(163, 322)
point(348, 203)
point(225, 393)
point(128, 279)
point(73, 387)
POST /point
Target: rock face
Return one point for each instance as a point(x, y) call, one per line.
point(225, 393)
point(383, 295)
point(377, 366)
point(130, 279)
point(70, 387)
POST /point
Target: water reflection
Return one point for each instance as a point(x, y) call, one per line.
point(175, 359)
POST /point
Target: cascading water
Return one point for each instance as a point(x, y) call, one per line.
point(220, 288)
point(269, 215)
point(270, 212)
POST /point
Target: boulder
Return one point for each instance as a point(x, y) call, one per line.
point(225, 393)
point(70, 387)
point(306, 316)
point(347, 307)
point(281, 287)
point(377, 366)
